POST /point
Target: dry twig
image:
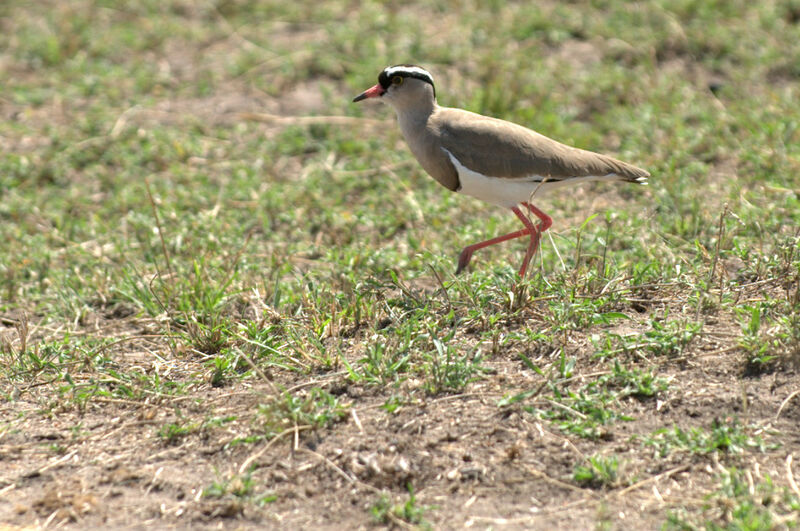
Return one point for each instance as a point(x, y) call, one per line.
point(786, 401)
point(310, 120)
point(247, 462)
point(790, 475)
point(558, 482)
point(652, 479)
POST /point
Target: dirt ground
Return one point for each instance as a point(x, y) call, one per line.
point(474, 464)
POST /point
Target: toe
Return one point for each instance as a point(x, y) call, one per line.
point(463, 262)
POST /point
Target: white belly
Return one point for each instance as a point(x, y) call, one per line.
point(507, 192)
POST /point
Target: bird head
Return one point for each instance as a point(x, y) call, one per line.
point(402, 86)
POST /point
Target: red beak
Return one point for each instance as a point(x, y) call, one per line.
point(372, 92)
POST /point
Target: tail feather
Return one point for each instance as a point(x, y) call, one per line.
point(627, 172)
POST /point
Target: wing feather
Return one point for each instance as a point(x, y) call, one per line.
point(518, 152)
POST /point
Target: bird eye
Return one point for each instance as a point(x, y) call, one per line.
point(397, 80)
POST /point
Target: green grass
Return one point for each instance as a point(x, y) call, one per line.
point(739, 502)
point(316, 409)
point(726, 437)
point(768, 345)
point(401, 513)
point(599, 471)
point(161, 240)
point(587, 410)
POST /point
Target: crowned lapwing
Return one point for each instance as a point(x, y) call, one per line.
point(497, 161)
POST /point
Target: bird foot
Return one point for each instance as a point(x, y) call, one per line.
point(463, 261)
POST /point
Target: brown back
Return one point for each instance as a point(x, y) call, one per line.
point(497, 148)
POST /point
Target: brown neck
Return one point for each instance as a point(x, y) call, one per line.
point(413, 121)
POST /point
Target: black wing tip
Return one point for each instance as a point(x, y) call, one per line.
point(630, 177)
point(638, 176)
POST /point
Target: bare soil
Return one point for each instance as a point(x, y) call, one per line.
point(472, 463)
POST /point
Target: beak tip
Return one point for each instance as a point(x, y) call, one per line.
point(373, 92)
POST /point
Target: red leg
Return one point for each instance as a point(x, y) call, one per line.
point(546, 223)
point(534, 231)
point(466, 254)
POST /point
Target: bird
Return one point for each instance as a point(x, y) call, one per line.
point(496, 161)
